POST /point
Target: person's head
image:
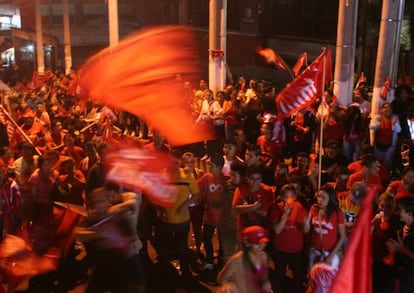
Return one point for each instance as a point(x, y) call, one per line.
point(229, 148)
point(67, 166)
point(366, 149)
point(360, 95)
point(370, 164)
point(302, 160)
point(253, 155)
point(69, 140)
point(238, 173)
point(216, 162)
point(326, 199)
point(267, 130)
point(333, 148)
point(386, 109)
point(112, 192)
point(187, 162)
point(341, 177)
point(255, 238)
point(254, 177)
point(328, 95)
point(281, 169)
point(288, 193)
point(406, 207)
point(408, 179)
point(357, 192)
point(27, 150)
point(239, 135)
point(39, 107)
point(387, 204)
point(158, 139)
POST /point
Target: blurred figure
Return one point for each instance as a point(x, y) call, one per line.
point(247, 270)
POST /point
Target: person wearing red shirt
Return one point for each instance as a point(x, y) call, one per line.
point(252, 201)
point(368, 174)
point(404, 187)
point(212, 191)
point(287, 218)
point(271, 150)
point(326, 223)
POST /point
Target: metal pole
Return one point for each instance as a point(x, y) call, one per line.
point(322, 122)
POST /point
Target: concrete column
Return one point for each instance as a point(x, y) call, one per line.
point(214, 45)
point(66, 36)
point(113, 22)
point(388, 50)
point(345, 50)
point(223, 44)
point(39, 39)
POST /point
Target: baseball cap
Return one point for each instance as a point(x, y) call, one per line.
point(255, 235)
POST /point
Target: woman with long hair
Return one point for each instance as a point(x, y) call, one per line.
point(326, 225)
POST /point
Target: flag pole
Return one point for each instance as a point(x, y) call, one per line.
point(322, 122)
point(8, 116)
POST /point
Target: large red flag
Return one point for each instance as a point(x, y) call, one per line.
point(138, 75)
point(271, 56)
point(385, 88)
point(302, 61)
point(303, 90)
point(355, 272)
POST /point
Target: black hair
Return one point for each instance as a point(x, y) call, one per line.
point(333, 204)
point(368, 160)
point(217, 160)
point(239, 168)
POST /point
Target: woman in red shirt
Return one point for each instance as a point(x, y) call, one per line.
point(326, 223)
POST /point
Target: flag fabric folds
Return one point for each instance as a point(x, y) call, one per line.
point(355, 273)
point(271, 56)
point(302, 61)
point(139, 75)
point(385, 88)
point(303, 90)
point(141, 170)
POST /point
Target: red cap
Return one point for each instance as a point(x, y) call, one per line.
point(255, 235)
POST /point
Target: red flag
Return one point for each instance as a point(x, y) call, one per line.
point(303, 90)
point(328, 66)
point(355, 272)
point(271, 56)
point(147, 168)
point(385, 88)
point(302, 61)
point(9, 125)
point(361, 80)
point(138, 75)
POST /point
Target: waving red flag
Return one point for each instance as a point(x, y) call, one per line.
point(328, 66)
point(355, 274)
point(385, 88)
point(302, 61)
point(303, 90)
point(271, 56)
point(138, 75)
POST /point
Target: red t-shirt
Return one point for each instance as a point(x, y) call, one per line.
point(213, 196)
point(291, 238)
point(328, 228)
point(398, 189)
point(373, 181)
point(242, 195)
point(357, 166)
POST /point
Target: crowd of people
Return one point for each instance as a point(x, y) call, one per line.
point(277, 211)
